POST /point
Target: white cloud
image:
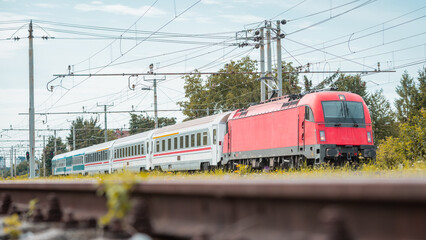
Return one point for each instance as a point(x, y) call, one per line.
point(5, 16)
point(246, 19)
point(211, 2)
point(118, 9)
point(45, 5)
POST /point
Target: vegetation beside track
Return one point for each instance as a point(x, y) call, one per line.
point(405, 169)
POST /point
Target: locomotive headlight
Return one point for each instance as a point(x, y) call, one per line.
point(322, 136)
point(369, 137)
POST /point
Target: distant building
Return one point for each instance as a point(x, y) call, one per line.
point(121, 133)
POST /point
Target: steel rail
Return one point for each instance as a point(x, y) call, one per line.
point(255, 209)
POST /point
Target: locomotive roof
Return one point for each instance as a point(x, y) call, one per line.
point(292, 101)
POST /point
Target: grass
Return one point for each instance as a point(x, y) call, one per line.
point(416, 170)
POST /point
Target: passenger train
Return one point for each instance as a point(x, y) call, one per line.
point(311, 128)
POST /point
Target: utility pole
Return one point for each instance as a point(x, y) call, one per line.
point(106, 121)
point(14, 165)
point(73, 137)
point(154, 83)
point(11, 162)
point(31, 108)
point(54, 153)
point(262, 65)
point(44, 157)
point(155, 103)
point(279, 64)
point(269, 56)
point(14, 162)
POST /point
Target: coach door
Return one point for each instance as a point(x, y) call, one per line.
point(301, 129)
point(215, 145)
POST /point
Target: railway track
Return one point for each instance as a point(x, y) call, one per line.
point(231, 209)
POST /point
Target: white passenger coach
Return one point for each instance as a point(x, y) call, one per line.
point(191, 145)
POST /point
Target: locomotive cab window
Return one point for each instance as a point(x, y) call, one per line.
point(343, 113)
point(309, 115)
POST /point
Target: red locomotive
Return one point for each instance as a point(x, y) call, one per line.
point(315, 127)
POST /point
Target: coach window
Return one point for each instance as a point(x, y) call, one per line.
point(309, 115)
point(214, 136)
point(175, 143)
point(163, 145)
point(169, 144)
point(142, 149)
point(198, 139)
point(204, 138)
point(157, 146)
point(181, 142)
point(186, 141)
point(192, 140)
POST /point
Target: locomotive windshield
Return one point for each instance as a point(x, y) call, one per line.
point(342, 113)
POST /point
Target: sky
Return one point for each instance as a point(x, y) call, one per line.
point(180, 36)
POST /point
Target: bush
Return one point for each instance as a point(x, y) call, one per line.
point(389, 153)
point(408, 148)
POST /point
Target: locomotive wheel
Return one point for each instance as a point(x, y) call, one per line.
point(299, 161)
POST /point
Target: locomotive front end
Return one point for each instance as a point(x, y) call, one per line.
point(344, 130)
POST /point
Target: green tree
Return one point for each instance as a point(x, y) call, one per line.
point(48, 152)
point(87, 133)
point(140, 123)
point(235, 87)
point(22, 168)
point(409, 147)
point(231, 90)
point(290, 79)
point(407, 104)
point(307, 84)
point(382, 116)
point(421, 102)
point(196, 93)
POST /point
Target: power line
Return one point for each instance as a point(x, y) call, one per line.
point(279, 14)
point(335, 16)
point(121, 34)
point(380, 45)
point(365, 29)
point(330, 54)
point(137, 44)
